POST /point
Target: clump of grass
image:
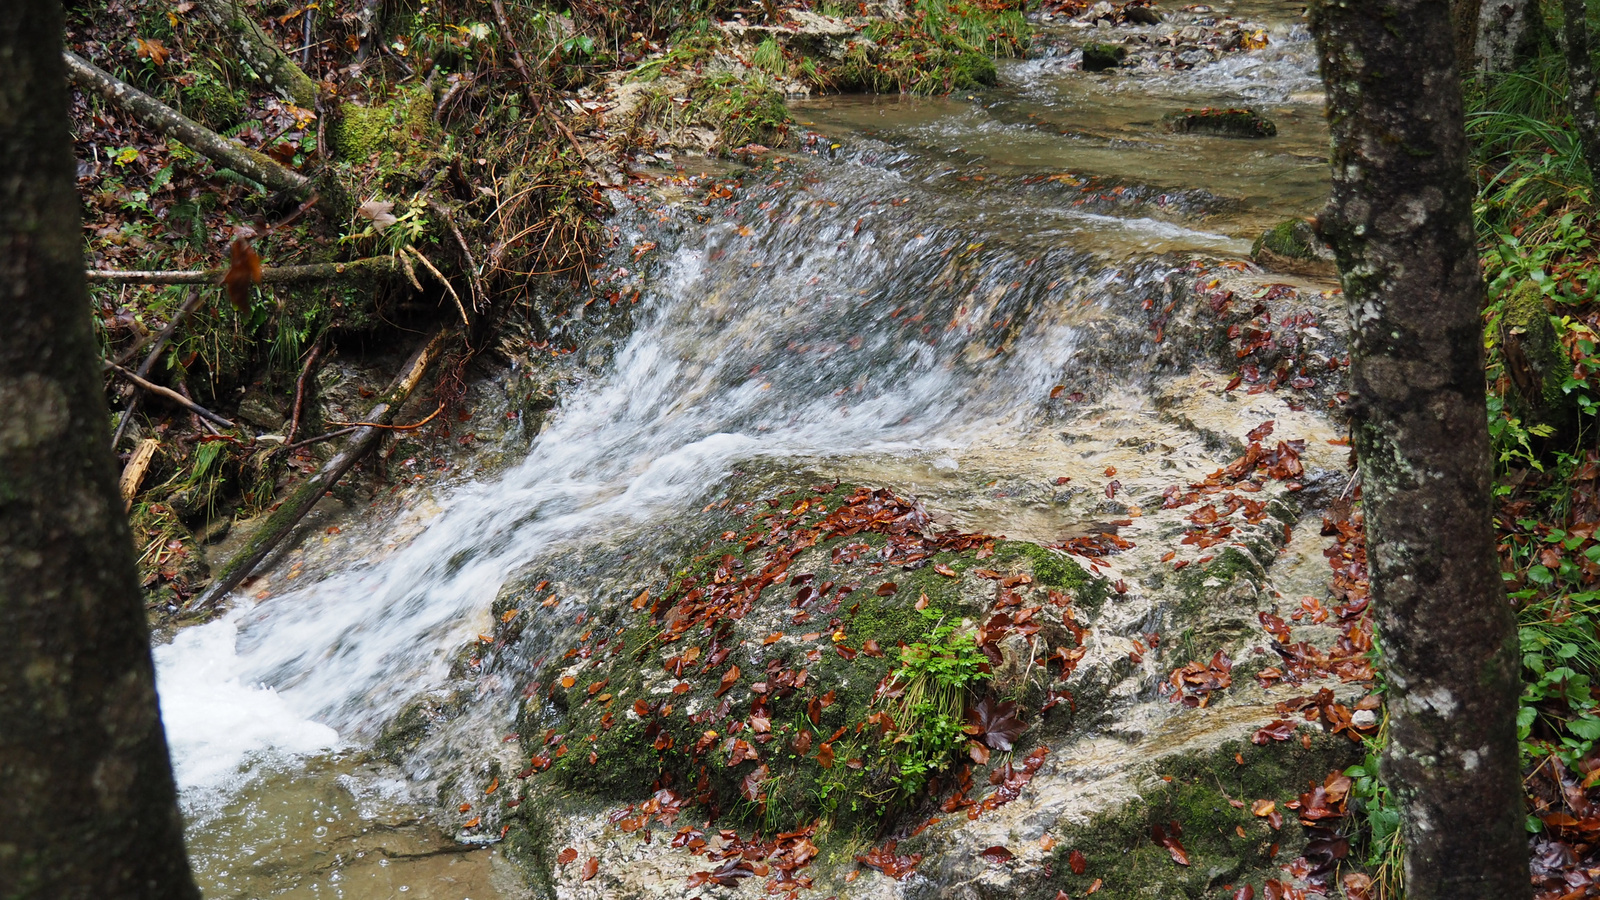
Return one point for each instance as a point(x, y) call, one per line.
point(940, 46)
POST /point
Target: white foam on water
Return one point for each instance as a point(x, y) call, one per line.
point(220, 728)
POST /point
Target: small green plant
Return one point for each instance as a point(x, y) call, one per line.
point(937, 675)
point(1378, 833)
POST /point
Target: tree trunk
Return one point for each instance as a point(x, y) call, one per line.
point(260, 52)
point(1509, 32)
point(88, 808)
point(1580, 82)
point(1400, 220)
point(197, 137)
point(1464, 16)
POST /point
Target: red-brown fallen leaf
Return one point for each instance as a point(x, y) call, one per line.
point(741, 752)
point(1057, 391)
point(946, 571)
point(1063, 895)
point(1171, 842)
point(566, 856)
point(1245, 893)
point(978, 752)
point(681, 687)
point(591, 868)
point(825, 756)
point(1279, 730)
point(771, 639)
point(598, 686)
point(1093, 886)
point(474, 822)
point(887, 588)
point(1275, 819)
point(753, 783)
point(642, 599)
point(1077, 861)
point(567, 681)
point(244, 270)
point(641, 708)
point(464, 807)
point(1262, 808)
point(729, 678)
point(885, 860)
point(871, 648)
point(998, 855)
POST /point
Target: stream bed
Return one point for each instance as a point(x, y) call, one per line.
point(989, 303)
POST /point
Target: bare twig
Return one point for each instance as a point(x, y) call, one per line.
point(172, 395)
point(149, 362)
point(372, 265)
point(412, 427)
point(300, 387)
point(528, 82)
point(442, 280)
point(328, 435)
point(480, 295)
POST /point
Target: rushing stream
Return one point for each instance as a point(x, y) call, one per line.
point(899, 303)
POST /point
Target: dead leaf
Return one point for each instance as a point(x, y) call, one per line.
point(379, 213)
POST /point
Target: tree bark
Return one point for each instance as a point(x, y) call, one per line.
point(369, 266)
point(260, 52)
point(225, 153)
point(1464, 16)
point(295, 507)
point(1509, 32)
point(88, 808)
point(1580, 82)
point(1400, 220)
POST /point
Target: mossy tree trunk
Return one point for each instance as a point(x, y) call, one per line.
point(260, 52)
point(88, 808)
point(1400, 220)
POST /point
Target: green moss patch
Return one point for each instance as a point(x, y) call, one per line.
point(1238, 123)
point(1210, 796)
point(1099, 57)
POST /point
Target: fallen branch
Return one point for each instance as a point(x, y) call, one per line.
point(298, 503)
point(172, 395)
point(221, 151)
point(183, 312)
point(372, 265)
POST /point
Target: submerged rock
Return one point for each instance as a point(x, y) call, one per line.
point(1240, 123)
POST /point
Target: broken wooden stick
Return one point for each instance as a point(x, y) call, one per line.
point(223, 152)
point(300, 386)
point(172, 395)
point(133, 472)
point(372, 265)
point(297, 504)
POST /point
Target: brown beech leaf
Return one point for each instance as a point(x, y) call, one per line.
point(591, 868)
point(946, 571)
point(887, 588)
point(729, 678)
point(566, 856)
point(825, 756)
point(752, 784)
point(1077, 861)
point(998, 855)
point(1263, 808)
point(244, 270)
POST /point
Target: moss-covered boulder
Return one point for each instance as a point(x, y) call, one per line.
point(1099, 57)
point(401, 124)
point(1294, 247)
point(813, 664)
point(1237, 123)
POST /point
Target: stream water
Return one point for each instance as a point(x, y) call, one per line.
point(895, 304)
